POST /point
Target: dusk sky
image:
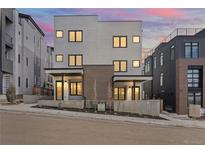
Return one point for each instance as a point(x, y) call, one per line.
point(157, 23)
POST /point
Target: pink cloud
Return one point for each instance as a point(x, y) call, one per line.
point(164, 12)
point(46, 27)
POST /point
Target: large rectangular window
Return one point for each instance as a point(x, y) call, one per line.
point(194, 78)
point(119, 41)
point(192, 50)
point(119, 93)
point(76, 88)
point(120, 65)
point(75, 60)
point(75, 36)
point(194, 98)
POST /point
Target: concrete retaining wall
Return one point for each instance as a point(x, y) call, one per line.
point(146, 107)
point(3, 98)
point(75, 104)
point(92, 104)
point(34, 98)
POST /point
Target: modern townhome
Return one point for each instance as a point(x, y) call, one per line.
point(23, 53)
point(177, 66)
point(97, 60)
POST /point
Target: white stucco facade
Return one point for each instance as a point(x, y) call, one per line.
point(97, 46)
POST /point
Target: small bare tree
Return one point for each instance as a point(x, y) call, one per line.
point(11, 93)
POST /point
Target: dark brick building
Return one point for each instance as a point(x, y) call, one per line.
point(177, 67)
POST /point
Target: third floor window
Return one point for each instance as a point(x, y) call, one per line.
point(75, 36)
point(192, 50)
point(119, 41)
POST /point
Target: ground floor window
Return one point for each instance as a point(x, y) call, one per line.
point(194, 98)
point(119, 93)
point(76, 88)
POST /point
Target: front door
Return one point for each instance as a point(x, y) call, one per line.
point(135, 93)
point(59, 90)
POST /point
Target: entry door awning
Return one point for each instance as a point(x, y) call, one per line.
point(57, 71)
point(140, 78)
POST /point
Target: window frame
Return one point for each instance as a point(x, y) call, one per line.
point(135, 66)
point(76, 89)
point(155, 62)
point(19, 58)
point(19, 81)
point(161, 58)
point(172, 52)
point(119, 36)
point(120, 65)
point(118, 93)
point(75, 31)
point(26, 82)
point(62, 33)
point(161, 81)
point(75, 55)
point(133, 39)
point(191, 47)
point(60, 55)
point(26, 61)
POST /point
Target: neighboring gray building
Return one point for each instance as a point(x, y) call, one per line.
point(177, 66)
point(97, 59)
point(23, 53)
point(7, 47)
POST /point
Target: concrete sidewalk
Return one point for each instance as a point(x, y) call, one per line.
point(27, 109)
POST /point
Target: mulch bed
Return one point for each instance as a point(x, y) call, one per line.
point(107, 112)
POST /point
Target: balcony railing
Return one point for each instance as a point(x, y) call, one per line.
point(9, 40)
point(182, 32)
point(177, 32)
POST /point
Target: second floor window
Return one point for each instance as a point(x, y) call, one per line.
point(59, 58)
point(75, 36)
point(119, 41)
point(75, 60)
point(161, 59)
point(120, 66)
point(191, 50)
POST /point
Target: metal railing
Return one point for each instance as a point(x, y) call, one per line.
point(178, 32)
point(9, 39)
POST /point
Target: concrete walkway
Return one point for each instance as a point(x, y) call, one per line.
point(27, 109)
